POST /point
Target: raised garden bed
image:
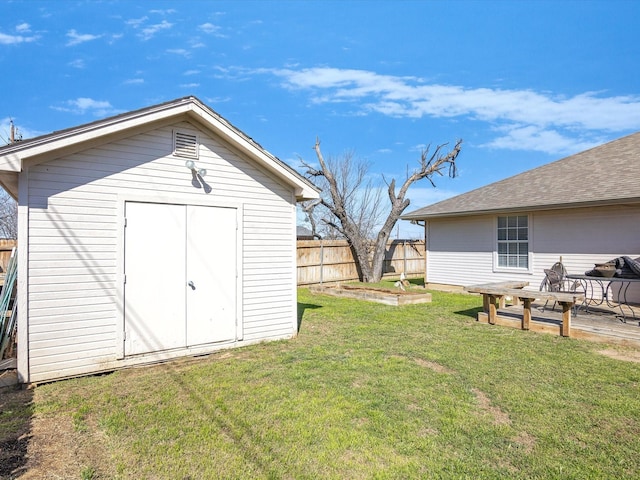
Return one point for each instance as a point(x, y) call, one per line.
point(374, 294)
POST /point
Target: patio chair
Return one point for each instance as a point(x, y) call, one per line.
point(555, 280)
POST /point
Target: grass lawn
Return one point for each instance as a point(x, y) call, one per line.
point(365, 391)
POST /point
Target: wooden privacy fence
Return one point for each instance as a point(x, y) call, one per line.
point(5, 253)
point(326, 261)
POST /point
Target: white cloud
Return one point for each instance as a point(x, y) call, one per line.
point(16, 39)
point(78, 63)
point(191, 72)
point(76, 38)
point(189, 85)
point(134, 81)
point(427, 195)
point(23, 28)
point(211, 29)
point(212, 100)
point(150, 31)
point(84, 105)
point(533, 138)
point(179, 51)
point(136, 22)
point(527, 119)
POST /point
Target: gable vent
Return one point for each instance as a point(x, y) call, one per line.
point(185, 144)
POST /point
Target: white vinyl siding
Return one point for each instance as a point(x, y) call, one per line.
point(460, 251)
point(75, 232)
point(457, 251)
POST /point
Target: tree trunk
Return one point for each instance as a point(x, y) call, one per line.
point(362, 265)
point(377, 260)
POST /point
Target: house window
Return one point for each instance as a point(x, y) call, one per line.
point(185, 144)
point(513, 241)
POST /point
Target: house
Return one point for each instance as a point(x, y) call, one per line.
point(584, 209)
point(303, 233)
point(153, 234)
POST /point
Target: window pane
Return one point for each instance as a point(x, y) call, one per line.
point(523, 233)
point(502, 248)
point(523, 248)
point(512, 234)
point(502, 222)
point(512, 221)
point(513, 261)
point(502, 260)
point(502, 234)
point(523, 221)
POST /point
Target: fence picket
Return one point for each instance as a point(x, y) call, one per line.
point(327, 261)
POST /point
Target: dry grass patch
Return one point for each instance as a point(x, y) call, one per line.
point(625, 355)
point(484, 402)
point(15, 430)
point(436, 367)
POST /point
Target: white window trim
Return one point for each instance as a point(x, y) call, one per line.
point(513, 270)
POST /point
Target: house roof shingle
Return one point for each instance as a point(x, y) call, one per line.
point(605, 175)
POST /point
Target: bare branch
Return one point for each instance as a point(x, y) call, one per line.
point(434, 165)
point(310, 171)
point(354, 203)
point(8, 216)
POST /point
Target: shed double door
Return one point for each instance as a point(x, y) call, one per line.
point(180, 276)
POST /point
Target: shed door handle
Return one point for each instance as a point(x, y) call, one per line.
point(193, 287)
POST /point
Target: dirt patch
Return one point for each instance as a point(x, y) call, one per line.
point(526, 441)
point(436, 367)
point(484, 402)
point(36, 446)
point(15, 430)
point(625, 355)
point(58, 450)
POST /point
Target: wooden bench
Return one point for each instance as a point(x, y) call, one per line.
point(495, 292)
point(507, 284)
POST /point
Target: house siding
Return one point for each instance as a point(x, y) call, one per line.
point(460, 249)
point(75, 236)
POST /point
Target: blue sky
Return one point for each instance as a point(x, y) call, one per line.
point(522, 83)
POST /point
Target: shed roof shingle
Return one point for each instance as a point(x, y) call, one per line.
point(605, 175)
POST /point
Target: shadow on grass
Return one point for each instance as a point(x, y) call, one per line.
point(16, 410)
point(301, 309)
point(470, 312)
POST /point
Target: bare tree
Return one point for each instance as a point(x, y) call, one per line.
point(357, 193)
point(354, 205)
point(8, 216)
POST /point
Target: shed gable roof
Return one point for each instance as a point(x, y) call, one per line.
point(605, 175)
point(13, 156)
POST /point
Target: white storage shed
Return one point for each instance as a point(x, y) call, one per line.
point(158, 233)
